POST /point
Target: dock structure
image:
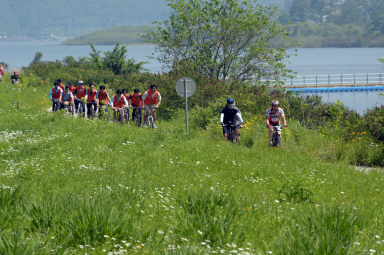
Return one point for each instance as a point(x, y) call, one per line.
point(335, 83)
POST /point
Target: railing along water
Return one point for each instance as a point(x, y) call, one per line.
point(335, 82)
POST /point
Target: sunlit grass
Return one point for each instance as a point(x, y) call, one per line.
point(78, 186)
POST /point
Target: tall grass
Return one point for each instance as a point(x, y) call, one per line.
point(75, 186)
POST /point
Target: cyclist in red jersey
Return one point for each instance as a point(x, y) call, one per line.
point(92, 100)
point(80, 94)
point(151, 101)
point(104, 101)
point(1, 72)
point(119, 103)
point(55, 94)
point(272, 118)
point(62, 86)
point(135, 102)
point(71, 87)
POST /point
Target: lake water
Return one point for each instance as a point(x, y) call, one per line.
point(305, 61)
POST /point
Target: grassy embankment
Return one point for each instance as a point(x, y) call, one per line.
point(302, 34)
point(78, 186)
point(110, 36)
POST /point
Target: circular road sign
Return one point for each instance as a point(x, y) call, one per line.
point(188, 83)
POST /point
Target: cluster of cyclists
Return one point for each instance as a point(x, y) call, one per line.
point(78, 99)
point(75, 99)
point(230, 117)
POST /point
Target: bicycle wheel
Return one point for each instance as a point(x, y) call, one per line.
point(230, 135)
point(126, 113)
point(234, 137)
point(150, 120)
point(276, 139)
point(80, 109)
point(138, 117)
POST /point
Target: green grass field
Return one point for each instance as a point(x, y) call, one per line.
point(78, 186)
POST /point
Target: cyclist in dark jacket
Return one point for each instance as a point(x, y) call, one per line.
point(230, 114)
point(15, 77)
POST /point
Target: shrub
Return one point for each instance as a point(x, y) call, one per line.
point(374, 121)
point(296, 193)
point(209, 215)
point(321, 230)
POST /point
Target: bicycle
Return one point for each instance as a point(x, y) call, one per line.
point(80, 102)
point(137, 112)
point(149, 120)
point(55, 105)
point(103, 111)
point(67, 107)
point(276, 138)
point(119, 115)
point(126, 114)
point(92, 108)
point(231, 135)
point(15, 81)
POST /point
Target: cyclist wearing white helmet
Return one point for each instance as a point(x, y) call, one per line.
point(272, 118)
point(229, 114)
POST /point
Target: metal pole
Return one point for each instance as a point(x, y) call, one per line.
point(381, 78)
point(316, 80)
point(341, 79)
point(329, 79)
point(186, 104)
point(354, 79)
point(367, 79)
point(304, 79)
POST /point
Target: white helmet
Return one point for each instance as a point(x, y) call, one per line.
point(275, 102)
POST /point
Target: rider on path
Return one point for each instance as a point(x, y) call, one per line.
point(230, 114)
point(272, 119)
point(151, 101)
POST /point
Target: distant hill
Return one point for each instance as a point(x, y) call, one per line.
point(58, 18)
point(42, 18)
point(122, 34)
point(317, 23)
point(335, 23)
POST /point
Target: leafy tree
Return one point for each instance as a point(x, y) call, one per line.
point(114, 60)
point(95, 56)
point(221, 39)
point(69, 61)
point(37, 58)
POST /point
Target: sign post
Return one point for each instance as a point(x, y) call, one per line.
point(186, 87)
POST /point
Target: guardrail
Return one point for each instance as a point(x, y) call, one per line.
point(335, 80)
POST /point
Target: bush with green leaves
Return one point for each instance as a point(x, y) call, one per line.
point(223, 40)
